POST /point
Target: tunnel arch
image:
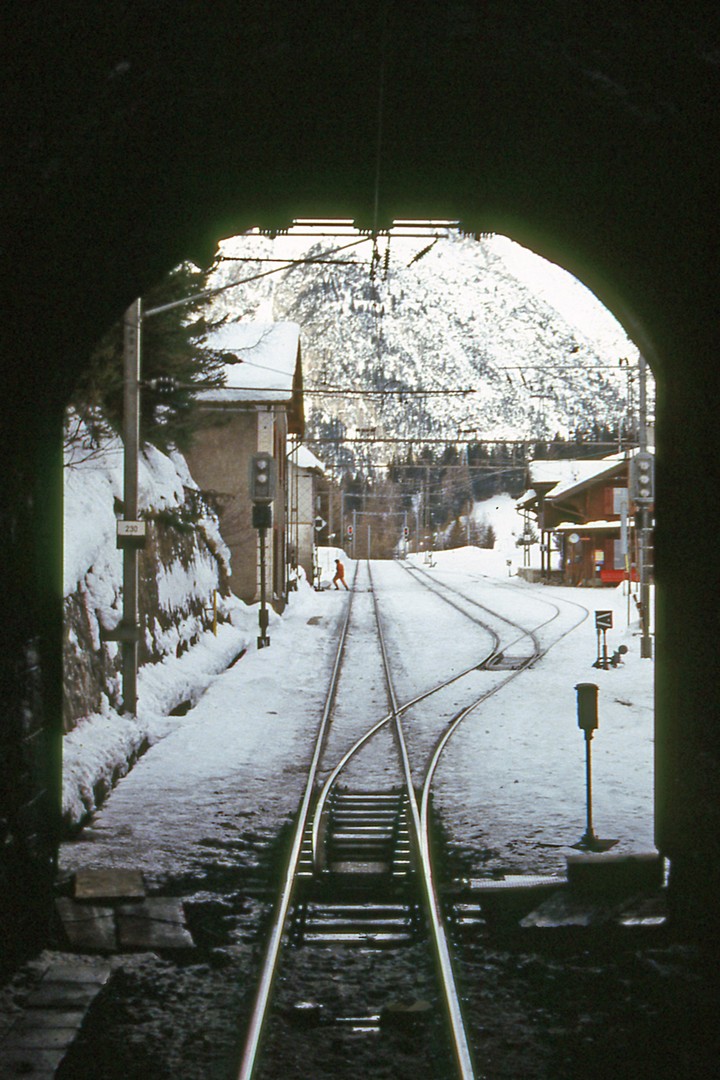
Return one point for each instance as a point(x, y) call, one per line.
point(138, 139)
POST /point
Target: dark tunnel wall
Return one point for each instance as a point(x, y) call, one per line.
point(137, 135)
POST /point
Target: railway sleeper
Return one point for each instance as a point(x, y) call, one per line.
point(367, 834)
point(334, 922)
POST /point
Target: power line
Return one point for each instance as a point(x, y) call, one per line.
point(345, 392)
point(244, 281)
point(287, 262)
point(342, 391)
point(450, 440)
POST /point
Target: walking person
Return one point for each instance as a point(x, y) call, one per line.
point(339, 575)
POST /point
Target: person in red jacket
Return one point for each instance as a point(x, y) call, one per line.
point(339, 575)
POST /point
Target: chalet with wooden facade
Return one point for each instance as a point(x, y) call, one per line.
point(584, 512)
point(259, 409)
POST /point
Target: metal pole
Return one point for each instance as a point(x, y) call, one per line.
point(263, 618)
point(369, 536)
point(131, 441)
point(354, 532)
point(645, 641)
point(589, 832)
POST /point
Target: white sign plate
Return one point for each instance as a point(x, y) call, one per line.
point(131, 528)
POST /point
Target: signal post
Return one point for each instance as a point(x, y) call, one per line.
point(263, 473)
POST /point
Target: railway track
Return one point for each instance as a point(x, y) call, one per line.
point(360, 871)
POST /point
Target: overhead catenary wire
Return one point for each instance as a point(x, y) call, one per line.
point(344, 391)
point(216, 290)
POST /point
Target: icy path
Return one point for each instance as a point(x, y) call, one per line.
point(511, 785)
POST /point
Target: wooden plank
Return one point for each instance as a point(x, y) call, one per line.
point(88, 928)
point(111, 884)
point(153, 923)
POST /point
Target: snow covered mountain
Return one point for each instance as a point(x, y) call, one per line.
point(387, 322)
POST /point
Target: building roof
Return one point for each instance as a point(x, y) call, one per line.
point(594, 471)
point(568, 471)
point(565, 476)
point(267, 368)
point(588, 526)
point(305, 459)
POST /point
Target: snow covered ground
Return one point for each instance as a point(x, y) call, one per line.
point(510, 788)
point(99, 749)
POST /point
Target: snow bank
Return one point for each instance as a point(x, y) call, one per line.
point(182, 581)
point(103, 746)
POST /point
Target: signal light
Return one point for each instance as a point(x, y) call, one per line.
point(262, 477)
point(350, 530)
point(642, 478)
point(162, 384)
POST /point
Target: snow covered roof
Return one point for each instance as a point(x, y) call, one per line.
point(587, 526)
point(593, 470)
point(268, 355)
point(568, 475)
point(567, 471)
point(305, 459)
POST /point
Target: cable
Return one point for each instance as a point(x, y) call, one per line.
point(255, 277)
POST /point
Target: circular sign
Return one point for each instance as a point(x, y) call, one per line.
point(574, 538)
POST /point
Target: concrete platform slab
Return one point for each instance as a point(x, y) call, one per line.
point(87, 927)
point(615, 873)
point(153, 923)
point(61, 1018)
point(38, 1064)
point(112, 884)
point(61, 995)
point(39, 1037)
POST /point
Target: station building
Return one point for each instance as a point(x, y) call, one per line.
point(305, 473)
point(260, 409)
point(583, 508)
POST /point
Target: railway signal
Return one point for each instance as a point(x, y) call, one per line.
point(642, 478)
point(587, 717)
point(603, 623)
point(263, 472)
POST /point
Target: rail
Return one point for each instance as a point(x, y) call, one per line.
point(272, 952)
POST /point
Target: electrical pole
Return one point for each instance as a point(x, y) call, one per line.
point(643, 514)
point(129, 627)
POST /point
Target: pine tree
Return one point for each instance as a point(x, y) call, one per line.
point(172, 352)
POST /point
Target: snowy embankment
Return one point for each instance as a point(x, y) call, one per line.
point(104, 743)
